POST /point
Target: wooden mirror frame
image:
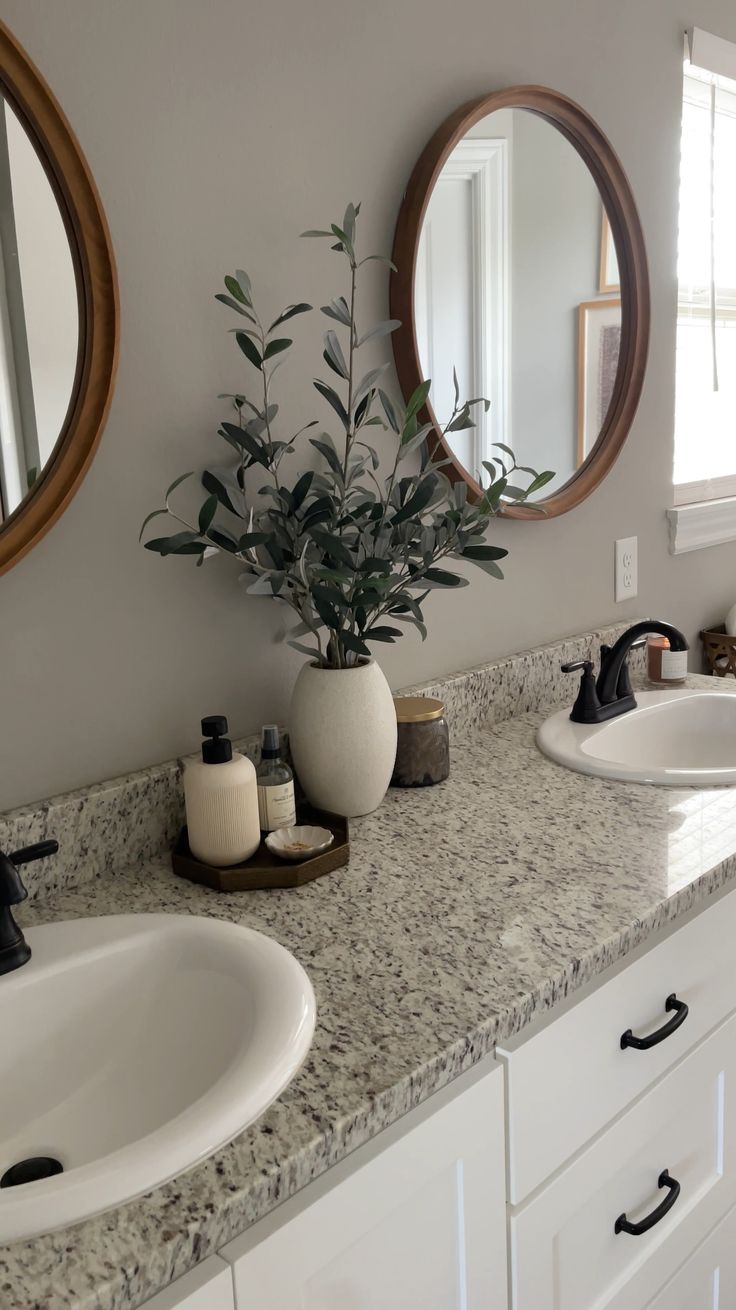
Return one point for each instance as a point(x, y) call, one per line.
point(97, 299)
point(596, 151)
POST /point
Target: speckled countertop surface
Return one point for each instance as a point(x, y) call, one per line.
point(465, 910)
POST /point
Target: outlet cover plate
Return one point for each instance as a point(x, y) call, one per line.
point(626, 574)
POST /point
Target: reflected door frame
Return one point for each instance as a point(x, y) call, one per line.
point(483, 162)
point(18, 435)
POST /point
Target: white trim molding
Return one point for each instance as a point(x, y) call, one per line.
point(705, 523)
point(711, 52)
point(484, 162)
point(691, 493)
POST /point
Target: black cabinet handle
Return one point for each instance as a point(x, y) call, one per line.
point(623, 1225)
point(667, 1029)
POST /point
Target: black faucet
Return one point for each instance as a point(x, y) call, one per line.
point(14, 949)
point(611, 692)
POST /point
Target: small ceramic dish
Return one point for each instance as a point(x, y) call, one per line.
point(299, 843)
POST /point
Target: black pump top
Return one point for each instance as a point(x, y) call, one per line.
point(270, 746)
point(220, 749)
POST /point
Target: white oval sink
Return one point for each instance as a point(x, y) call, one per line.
point(132, 1047)
point(678, 738)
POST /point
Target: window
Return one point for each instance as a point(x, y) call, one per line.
point(705, 409)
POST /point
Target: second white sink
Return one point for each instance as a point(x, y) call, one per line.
point(133, 1046)
point(678, 738)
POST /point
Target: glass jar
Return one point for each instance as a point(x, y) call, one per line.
point(423, 746)
point(665, 667)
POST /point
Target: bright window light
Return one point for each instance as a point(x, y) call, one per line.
point(705, 411)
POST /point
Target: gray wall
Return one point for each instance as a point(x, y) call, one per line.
point(217, 132)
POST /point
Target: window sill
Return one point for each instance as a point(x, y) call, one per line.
point(705, 523)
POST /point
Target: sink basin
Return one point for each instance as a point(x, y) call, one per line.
point(678, 738)
point(132, 1047)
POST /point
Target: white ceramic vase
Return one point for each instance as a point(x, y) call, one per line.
point(342, 733)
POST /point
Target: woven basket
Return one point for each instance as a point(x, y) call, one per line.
point(720, 652)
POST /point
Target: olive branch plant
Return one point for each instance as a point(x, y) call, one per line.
point(351, 554)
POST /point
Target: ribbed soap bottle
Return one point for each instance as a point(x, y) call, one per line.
point(221, 798)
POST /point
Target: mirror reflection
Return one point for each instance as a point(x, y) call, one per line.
point(517, 288)
point(39, 317)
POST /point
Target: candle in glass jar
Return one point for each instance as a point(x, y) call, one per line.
point(665, 667)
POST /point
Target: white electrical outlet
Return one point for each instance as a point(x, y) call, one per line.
point(627, 568)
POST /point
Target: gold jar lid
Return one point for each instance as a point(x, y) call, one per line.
point(417, 709)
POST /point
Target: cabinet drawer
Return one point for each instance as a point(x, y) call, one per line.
point(569, 1080)
point(707, 1281)
point(566, 1253)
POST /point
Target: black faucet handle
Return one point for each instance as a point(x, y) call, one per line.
point(12, 888)
point(577, 666)
point(39, 851)
point(587, 706)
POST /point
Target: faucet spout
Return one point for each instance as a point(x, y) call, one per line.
point(613, 661)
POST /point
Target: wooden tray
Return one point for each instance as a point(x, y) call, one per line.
point(263, 869)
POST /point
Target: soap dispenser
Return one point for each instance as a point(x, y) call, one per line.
point(221, 798)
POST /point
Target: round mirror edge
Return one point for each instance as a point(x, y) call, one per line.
point(98, 301)
point(598, 154)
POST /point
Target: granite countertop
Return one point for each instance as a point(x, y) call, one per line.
point(466, 909)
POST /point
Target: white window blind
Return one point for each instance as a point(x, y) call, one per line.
point(705, 411)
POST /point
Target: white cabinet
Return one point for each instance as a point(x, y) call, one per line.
point(420, 1225)
point(208, 1287)
point(418, 1219)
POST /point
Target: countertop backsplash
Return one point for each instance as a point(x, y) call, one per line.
point(120, 823)
point(522, 683)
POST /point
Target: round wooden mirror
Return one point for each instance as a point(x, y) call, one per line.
point(58, 308)
point(521, 269)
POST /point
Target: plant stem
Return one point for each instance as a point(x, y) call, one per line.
point(242, 467)
point(335, 641)
point(388, 489)
point(350, 436)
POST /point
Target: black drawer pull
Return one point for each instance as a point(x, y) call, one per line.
point(623, 1225)
point(667, 1029)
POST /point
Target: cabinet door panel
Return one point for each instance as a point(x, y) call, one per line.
point(707, 1281)
point(208, 1287)
point(421, 1226)
point(416, 1245)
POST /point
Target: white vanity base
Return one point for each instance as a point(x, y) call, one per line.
point(537, 1153)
